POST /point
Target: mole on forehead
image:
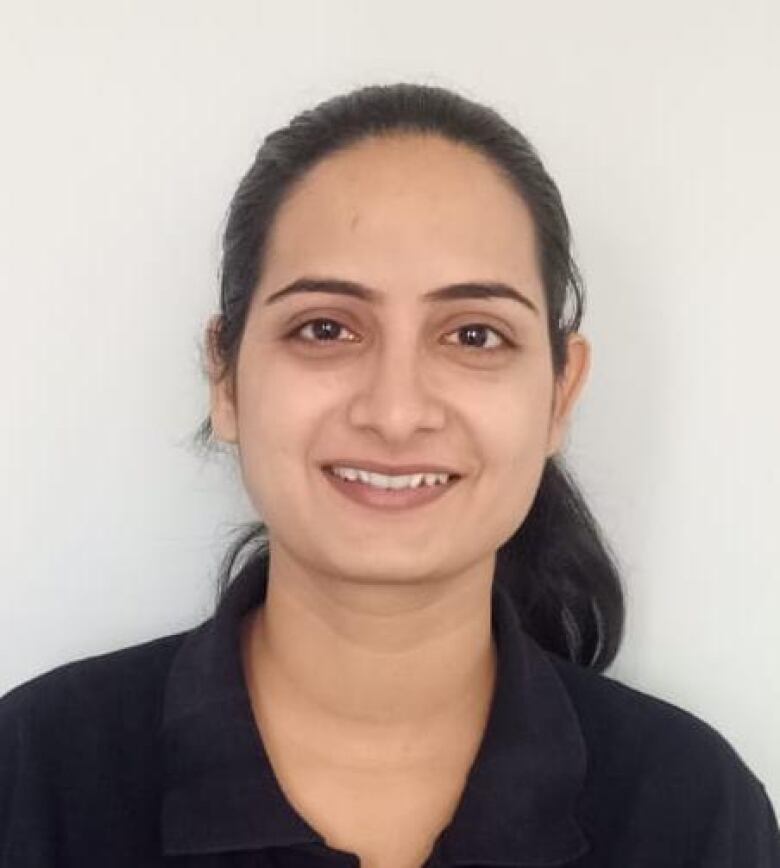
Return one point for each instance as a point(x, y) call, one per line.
point(321, 212)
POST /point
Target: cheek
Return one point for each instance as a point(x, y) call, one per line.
point(278, 422)
point(512, 433)
point(516, 458)
point(513, 417)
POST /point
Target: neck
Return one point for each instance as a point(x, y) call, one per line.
point(381, 674)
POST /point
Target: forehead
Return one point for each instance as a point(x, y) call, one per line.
point(407, 211)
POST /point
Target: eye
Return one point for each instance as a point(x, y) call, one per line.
point(477, 337)
point(322, 330)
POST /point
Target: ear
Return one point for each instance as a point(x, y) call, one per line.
point(221, 398)
point(567, 389)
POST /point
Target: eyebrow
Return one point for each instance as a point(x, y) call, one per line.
point(453, 291)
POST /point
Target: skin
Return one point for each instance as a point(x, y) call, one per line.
point(374, 646)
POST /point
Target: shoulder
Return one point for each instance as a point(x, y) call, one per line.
point(85, 712)
point(80, 758)
point(641, 730)
point(663, 769)
point(628, 718)
point(116, 683)
point(81, 742)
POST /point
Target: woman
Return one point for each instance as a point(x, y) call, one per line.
point(407, 669)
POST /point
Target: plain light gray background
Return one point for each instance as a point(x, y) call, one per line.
point(127, 125)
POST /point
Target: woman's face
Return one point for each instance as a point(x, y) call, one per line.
point(394, 375)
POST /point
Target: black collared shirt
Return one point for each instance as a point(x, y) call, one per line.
point(150, 756)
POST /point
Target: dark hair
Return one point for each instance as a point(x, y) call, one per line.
point(557, 567)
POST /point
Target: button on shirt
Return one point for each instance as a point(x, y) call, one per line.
point(151, 756)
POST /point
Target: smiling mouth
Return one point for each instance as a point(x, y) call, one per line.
point(392, 481)
point(389, 492)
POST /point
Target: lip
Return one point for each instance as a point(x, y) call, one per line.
point(388, 499)
point(389, 469)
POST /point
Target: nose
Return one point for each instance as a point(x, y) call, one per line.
point(394, 398)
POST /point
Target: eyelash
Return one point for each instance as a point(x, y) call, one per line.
point(295, 334)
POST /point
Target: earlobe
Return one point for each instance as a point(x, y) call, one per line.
point(223, 417)
point(222, 407)
point(568, 389)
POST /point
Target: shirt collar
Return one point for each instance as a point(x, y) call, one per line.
point(220, 792)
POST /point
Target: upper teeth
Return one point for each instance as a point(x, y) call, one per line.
point(380, 480)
